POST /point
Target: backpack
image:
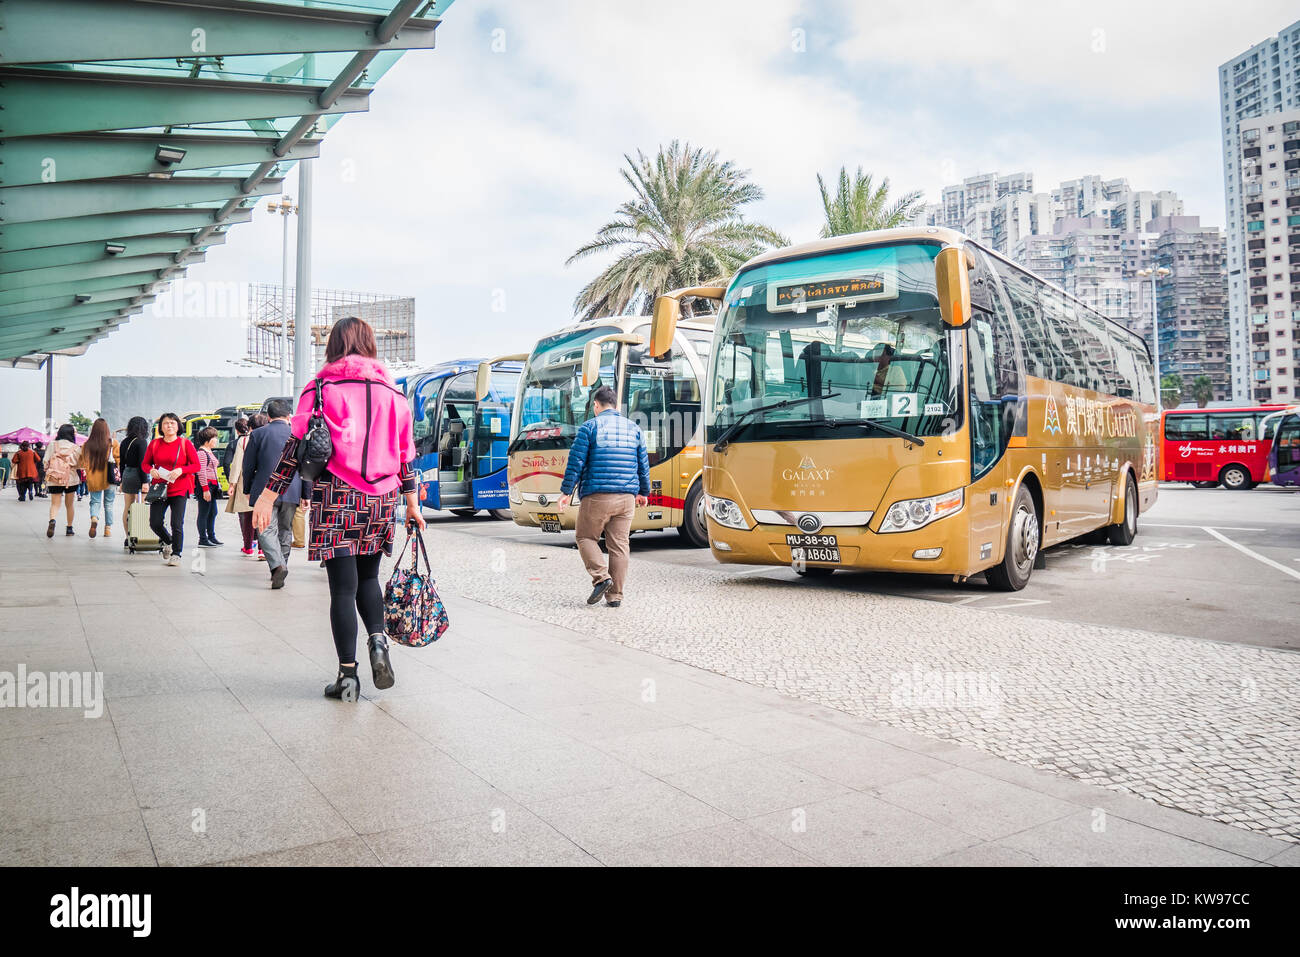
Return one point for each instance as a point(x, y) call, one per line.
point(61, 470)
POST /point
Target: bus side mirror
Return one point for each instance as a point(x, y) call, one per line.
point(952, 285)
point(482, 381)
point(590, 363)
point(663, 325)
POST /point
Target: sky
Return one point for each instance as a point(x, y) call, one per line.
point(482, 165)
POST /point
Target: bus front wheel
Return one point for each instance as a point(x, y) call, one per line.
point(464, 512)
point(501, 514)
point(1023, 539)
point(1125, 530)
point(1235, 477)
point(693, 527)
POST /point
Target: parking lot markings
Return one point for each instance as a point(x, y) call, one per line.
point(1255, 555)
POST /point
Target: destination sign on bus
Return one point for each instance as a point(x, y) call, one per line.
point(838, 289)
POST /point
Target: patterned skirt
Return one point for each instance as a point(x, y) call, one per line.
point(347, 521)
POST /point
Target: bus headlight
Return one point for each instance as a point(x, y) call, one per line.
point(726, 512)
point(914, 513)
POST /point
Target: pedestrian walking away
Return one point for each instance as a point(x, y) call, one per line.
point(40, 468)
point(6, 467)
point(354, 500)
point(261, 459)
point(238, 504)
point(25, 471)
point(99, 457)
point(132, 451)
point(62, 459)
point(207, 486)
point(609, 469)
point(171, 464)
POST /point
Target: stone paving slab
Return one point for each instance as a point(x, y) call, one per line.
point(513, 741)
point(1206, 727)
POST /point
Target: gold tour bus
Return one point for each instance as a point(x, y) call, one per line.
point(662, 395)
point(910, 401)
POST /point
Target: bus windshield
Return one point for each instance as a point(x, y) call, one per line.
point(552, 401)
point(857, 332)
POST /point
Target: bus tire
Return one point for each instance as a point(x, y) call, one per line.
point(1125, 530)
point(501, 514)
point(693, 527)
point(464, 512)
point(1024, 537)
point(1235, 477)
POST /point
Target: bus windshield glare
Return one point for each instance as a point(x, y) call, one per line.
point(552, 401)
point(857, 332)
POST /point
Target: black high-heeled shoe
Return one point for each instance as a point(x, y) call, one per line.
point(381, 668)
point(347, 686)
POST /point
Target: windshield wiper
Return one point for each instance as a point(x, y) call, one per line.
point(723, 440)
point(831, 423)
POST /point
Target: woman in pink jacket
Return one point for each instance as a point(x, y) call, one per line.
point(354, 501)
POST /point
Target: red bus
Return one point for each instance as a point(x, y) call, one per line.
point(1211, 447)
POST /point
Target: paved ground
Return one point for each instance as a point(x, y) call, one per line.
point(1042, 678)
point(522, 739)
point(1184, 575)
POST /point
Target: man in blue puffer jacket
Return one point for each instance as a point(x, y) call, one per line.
point(608, 463)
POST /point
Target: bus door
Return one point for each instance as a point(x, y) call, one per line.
point(662, 396)
point(422, 398)
point(456, 428)
point(996, 385)
point(1286, 452)
point(488, 457)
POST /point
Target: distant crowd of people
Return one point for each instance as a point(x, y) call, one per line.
point(353, 503)
point(365, 471)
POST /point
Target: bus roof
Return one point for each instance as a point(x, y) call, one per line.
point(628, 323)
point(455, 367)
point(911, 234)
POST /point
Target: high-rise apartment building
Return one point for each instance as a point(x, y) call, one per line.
point(1001, 210)
point(1097, 261)
point(1259, 98)
point(1091, 236)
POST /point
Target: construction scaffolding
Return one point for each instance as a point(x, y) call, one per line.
point(392, 318)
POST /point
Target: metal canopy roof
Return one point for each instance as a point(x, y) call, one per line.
point(134, 133)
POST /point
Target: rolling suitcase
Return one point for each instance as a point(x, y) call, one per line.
point(139, 536)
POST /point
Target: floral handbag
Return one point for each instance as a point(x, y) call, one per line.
point(413, 613)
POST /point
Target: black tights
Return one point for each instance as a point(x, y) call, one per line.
point(354, 587)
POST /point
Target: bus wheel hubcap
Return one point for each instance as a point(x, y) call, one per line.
point(1026, 537)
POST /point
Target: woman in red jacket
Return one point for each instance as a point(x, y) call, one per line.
point(171, 461)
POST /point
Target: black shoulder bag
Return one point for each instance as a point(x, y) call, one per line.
point(315, 447)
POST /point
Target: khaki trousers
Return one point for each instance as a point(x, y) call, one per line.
point(611, 513)
point(300, 527)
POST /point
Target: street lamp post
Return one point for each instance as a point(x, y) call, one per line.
point(285, 208)
point(1156, 273)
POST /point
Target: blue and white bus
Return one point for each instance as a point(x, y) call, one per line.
point(461, 440)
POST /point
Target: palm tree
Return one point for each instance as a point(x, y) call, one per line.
point(1202, 390)
point(861, 205)
point(683, 227)
point(1171, 390)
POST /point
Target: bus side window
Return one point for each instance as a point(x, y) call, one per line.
point(1035, 358)
point(1186, 428)
point(1125, 370)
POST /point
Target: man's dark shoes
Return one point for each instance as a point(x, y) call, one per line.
point(599, 590)
point(616, 603)
point(381, 668)
point(347, 686)
point(278, 576)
